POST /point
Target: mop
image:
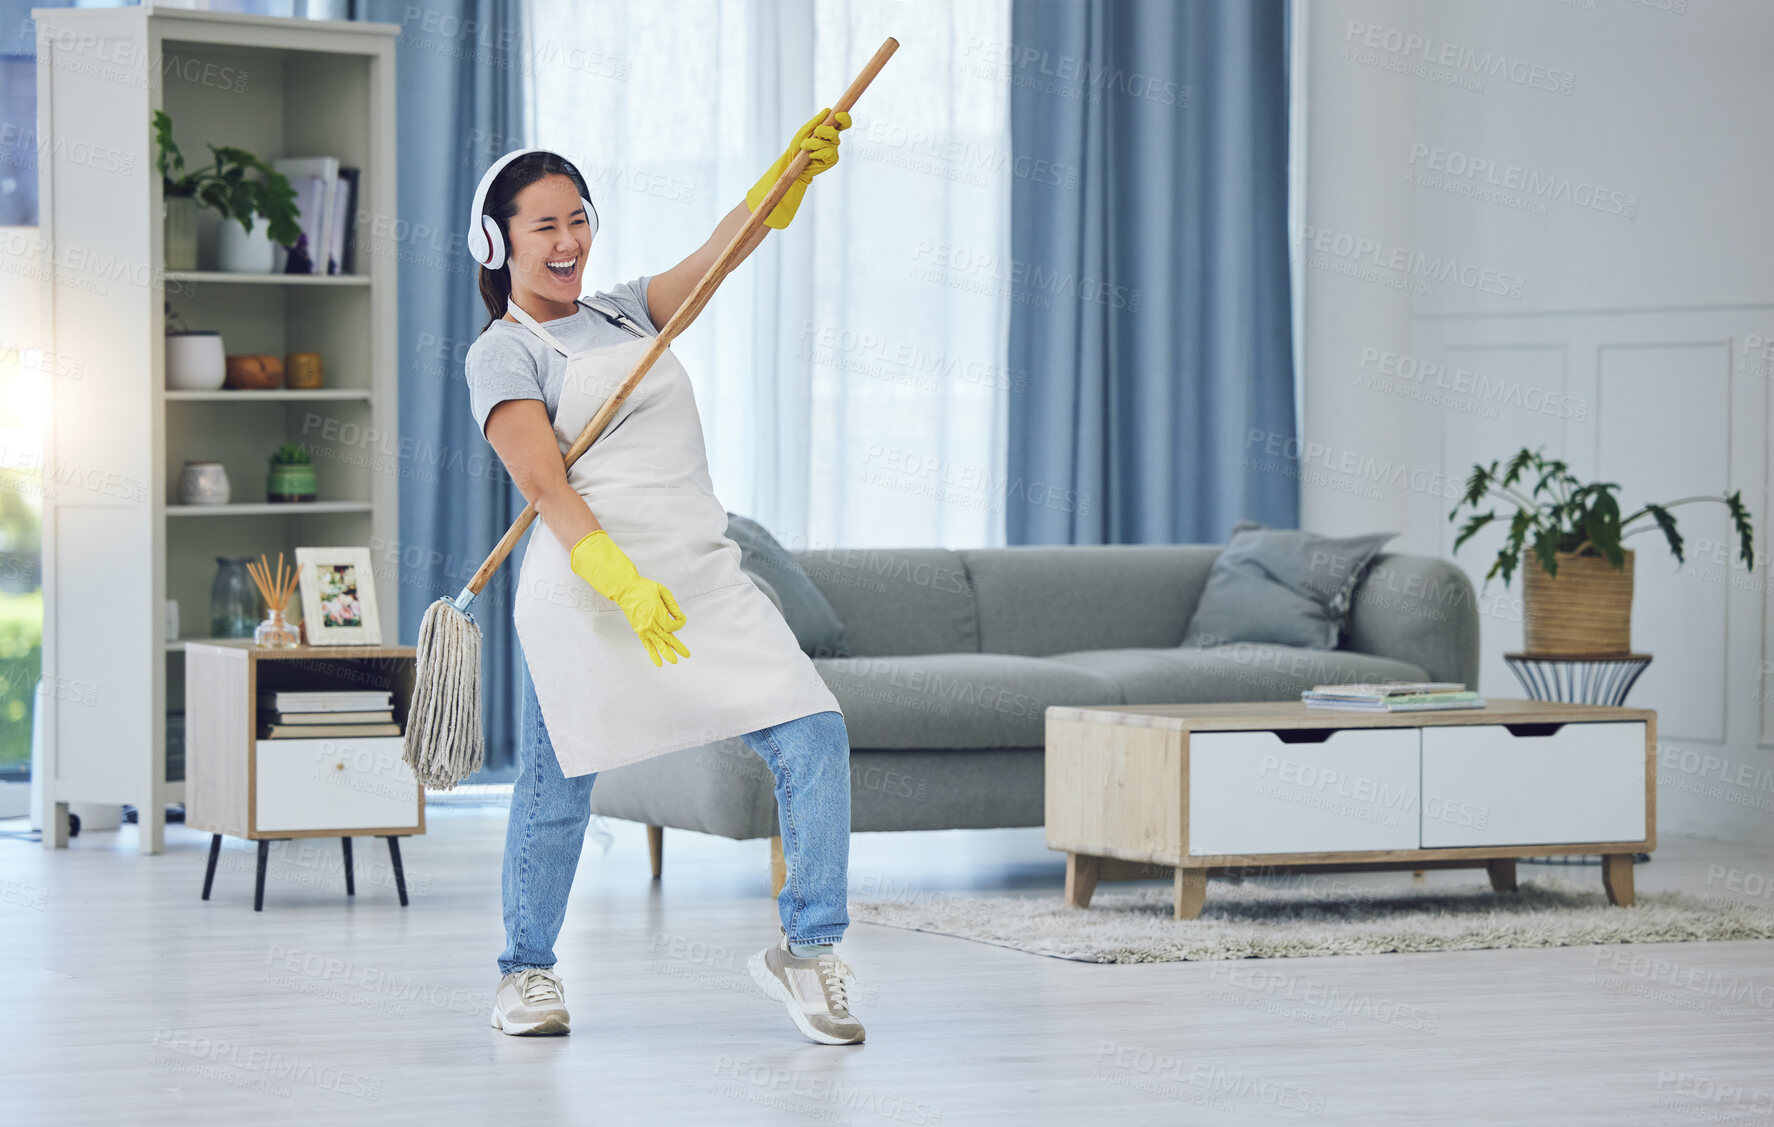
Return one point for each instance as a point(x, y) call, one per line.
point(443, 742)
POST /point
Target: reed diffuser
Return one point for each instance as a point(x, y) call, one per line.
point(276, 587)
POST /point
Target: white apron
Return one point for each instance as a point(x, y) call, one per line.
point(604, 702)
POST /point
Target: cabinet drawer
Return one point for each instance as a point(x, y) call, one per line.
point(1487, 785)
point(321, 784)
point(1253, 792)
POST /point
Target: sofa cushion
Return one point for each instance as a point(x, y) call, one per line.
point(815, 624)
point(956, 700)
point(1051, 599)
point(1242, 671)
point(1282, 586)
point(897, 600)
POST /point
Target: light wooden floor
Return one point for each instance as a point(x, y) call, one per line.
point(129, 1000)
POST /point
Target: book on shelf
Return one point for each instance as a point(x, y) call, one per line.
point(327, 700)
point(367, 716)
point(316, 183)
point(344, 232)
point(325, 731)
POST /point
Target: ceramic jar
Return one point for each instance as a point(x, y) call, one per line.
point(241, 252)
point(302, 370)
point(194, 360)
point(180, 249)
point(253, 372)
point(203, 483)
point(290, 481)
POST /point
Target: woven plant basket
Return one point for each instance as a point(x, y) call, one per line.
point(1585, 609)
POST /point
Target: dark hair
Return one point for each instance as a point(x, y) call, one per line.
point(501, 204)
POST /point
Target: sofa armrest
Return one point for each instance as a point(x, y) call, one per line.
point(1418, 609)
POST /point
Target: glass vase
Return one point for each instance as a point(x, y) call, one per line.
point(233, 600)
point(276, 632)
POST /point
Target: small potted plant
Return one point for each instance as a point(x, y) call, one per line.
point(292, 475)
point(240, 186)
point(1576, 578)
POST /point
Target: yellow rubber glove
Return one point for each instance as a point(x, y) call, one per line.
point(651, 610)
point(822, 142)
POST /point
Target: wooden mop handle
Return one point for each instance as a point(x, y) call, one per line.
point(686, 313)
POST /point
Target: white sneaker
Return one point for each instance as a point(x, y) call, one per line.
point(530, 1001)
point(815, 991)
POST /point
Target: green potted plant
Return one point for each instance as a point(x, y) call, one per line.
point(237, 184)
point(292, 475)
point(1565, 534)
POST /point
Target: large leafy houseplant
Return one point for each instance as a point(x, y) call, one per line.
point(1559, 514)
point(237, 184)
point(1560, 521)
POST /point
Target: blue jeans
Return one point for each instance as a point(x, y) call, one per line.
point(810, 757)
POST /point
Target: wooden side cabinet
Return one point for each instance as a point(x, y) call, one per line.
point(266, 790)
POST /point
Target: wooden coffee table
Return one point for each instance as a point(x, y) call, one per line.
point(1248, 789)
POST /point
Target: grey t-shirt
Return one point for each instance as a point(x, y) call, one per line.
point(509, 361)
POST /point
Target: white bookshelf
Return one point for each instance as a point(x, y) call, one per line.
point(115, 549)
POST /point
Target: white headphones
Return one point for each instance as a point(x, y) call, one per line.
point(485, 242)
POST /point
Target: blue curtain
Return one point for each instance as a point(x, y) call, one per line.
point(460, 76)
point(1148, 232)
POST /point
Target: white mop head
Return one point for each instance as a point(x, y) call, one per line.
point(443, 741)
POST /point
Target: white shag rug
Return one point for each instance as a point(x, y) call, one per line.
point(1250, 920)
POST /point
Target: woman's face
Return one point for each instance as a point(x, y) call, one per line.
point(549, 238)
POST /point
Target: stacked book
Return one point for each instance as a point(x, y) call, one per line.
point(322, 713)
point(326, 202)
point(1393, 696)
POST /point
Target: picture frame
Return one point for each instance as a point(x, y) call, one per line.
point(338, 597)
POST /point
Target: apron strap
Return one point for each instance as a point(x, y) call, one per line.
point(614, 316)
point(525, 318)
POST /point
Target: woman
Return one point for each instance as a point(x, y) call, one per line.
point(640, 633)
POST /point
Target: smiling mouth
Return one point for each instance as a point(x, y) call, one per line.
point(564, 269)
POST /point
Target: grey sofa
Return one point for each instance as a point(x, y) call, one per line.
point(957, 654)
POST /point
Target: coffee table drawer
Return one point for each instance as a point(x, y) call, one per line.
point(344, 784)
point(1347, 789)
point(1484, 784)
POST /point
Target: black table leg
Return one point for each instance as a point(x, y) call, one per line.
point(400, 876)
point(350, 886)
point(259, 880)
point(209, 874)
